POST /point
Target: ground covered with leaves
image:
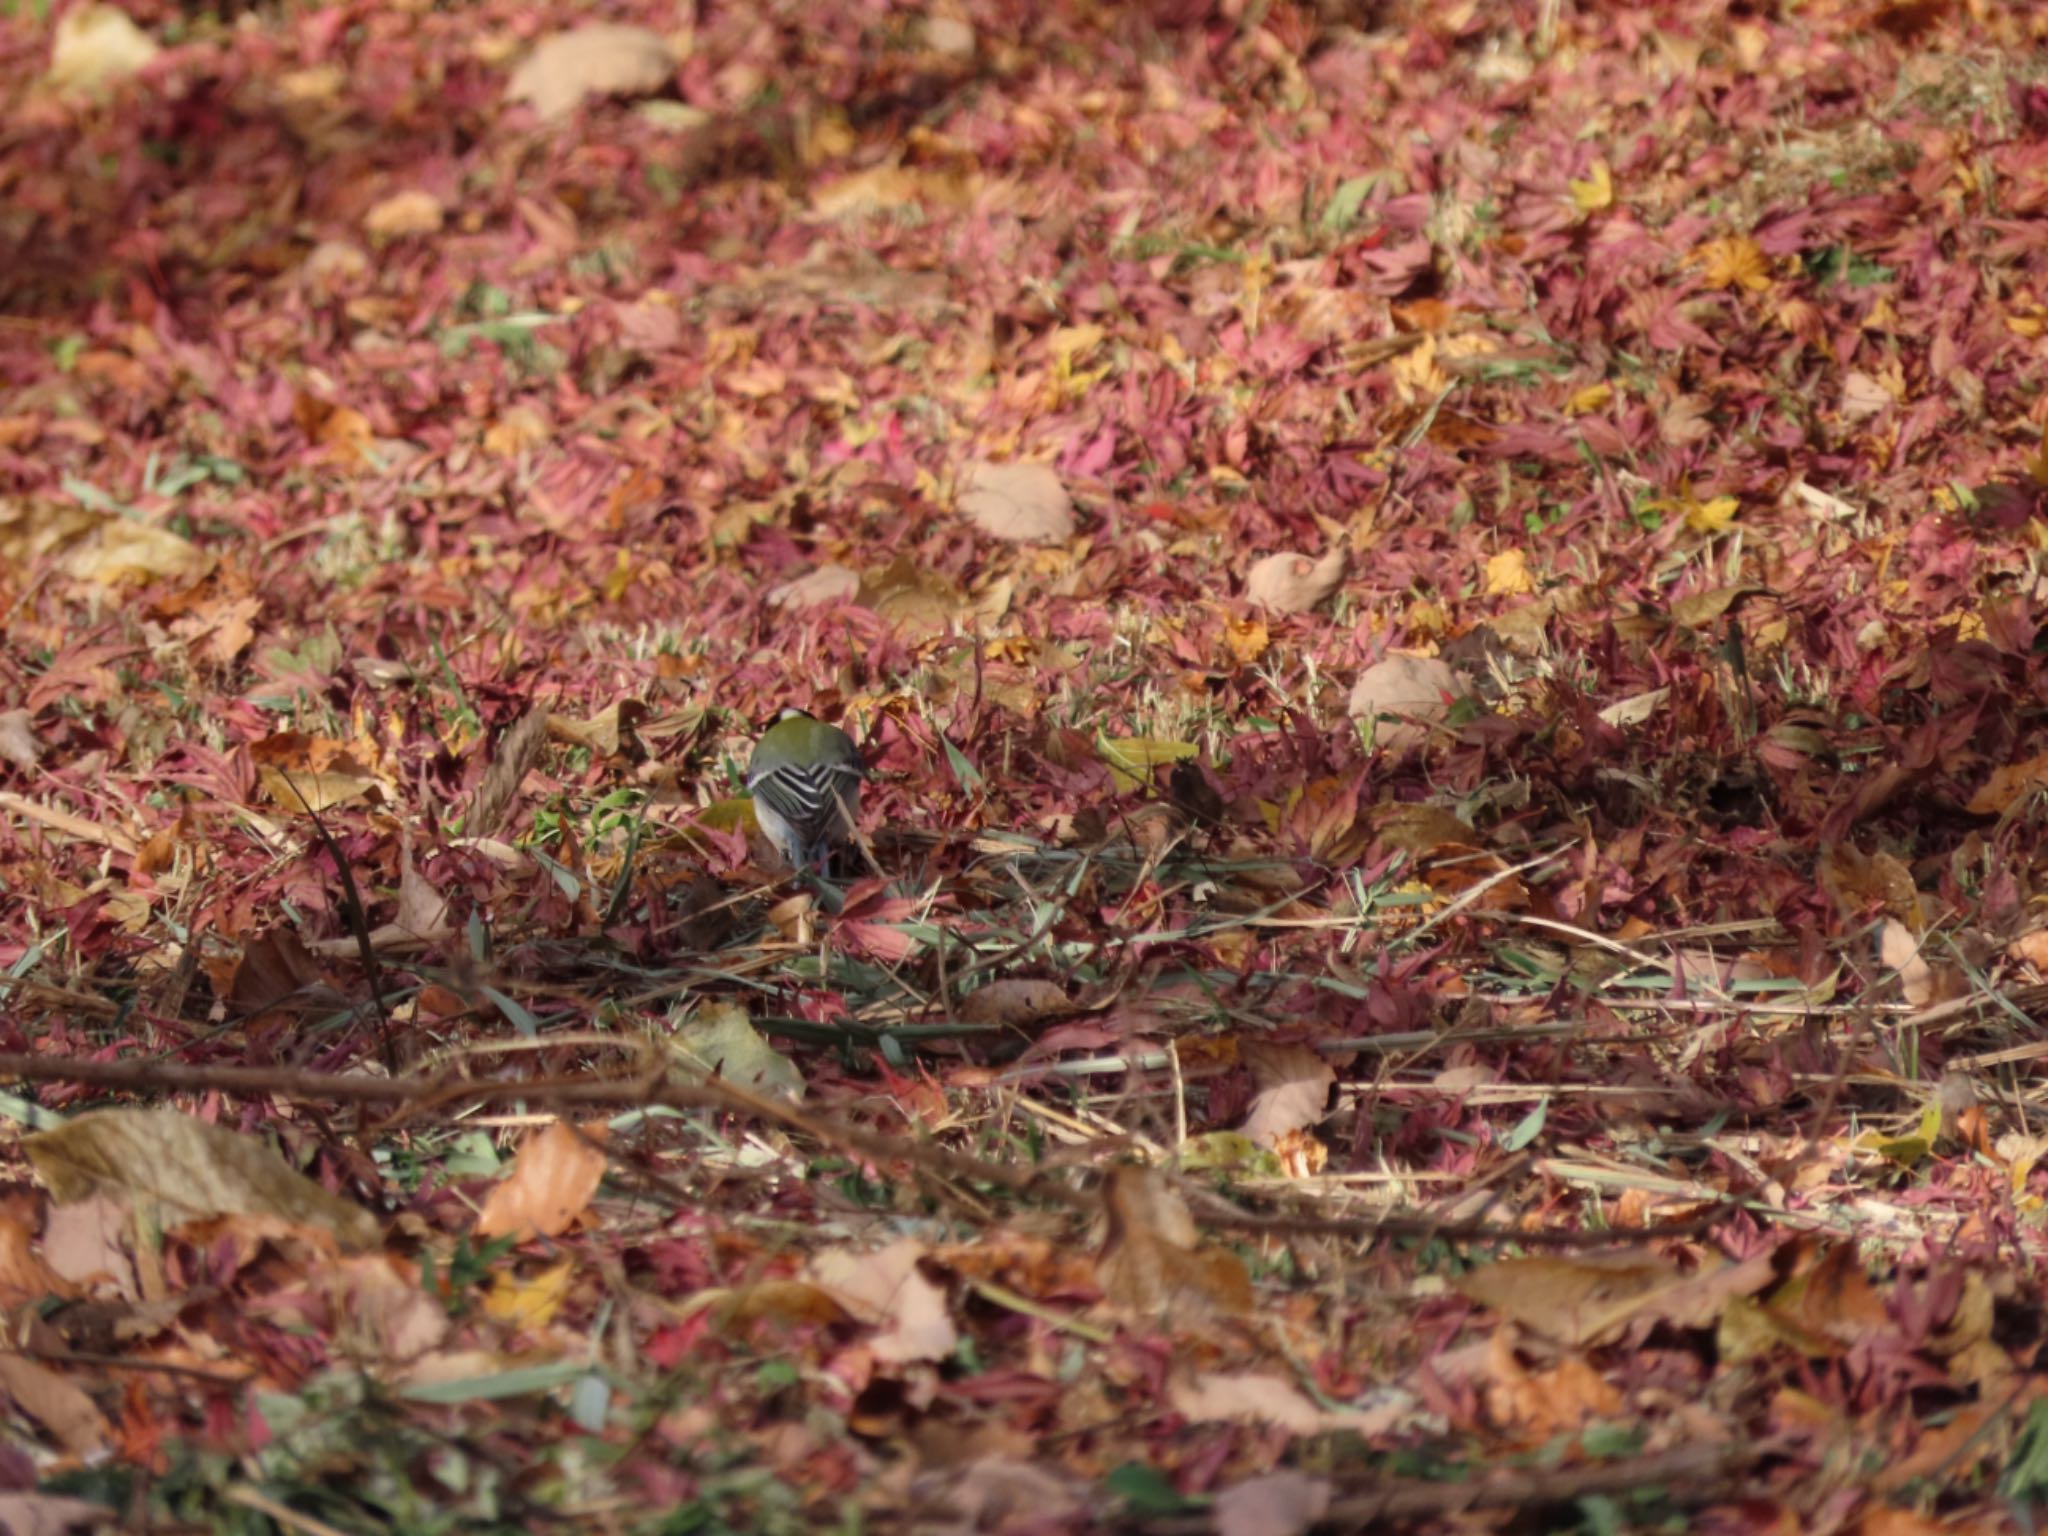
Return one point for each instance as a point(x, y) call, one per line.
point(1439, 600)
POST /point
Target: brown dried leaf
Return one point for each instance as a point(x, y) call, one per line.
point(181, 1169)
point(815, 589)
point(1150, 1263)
point(18, 744)
point(56, 1403)
point(1899, 950)
point(97, 46)
point(1579, 1301)
point(1293, 1090)
point(1283, 1503)
point(551, 1184)
point(1410, 689)
point(1015, 1002)
point(2005, 786)
point(600, 59)
point(886, 1288)
point(1291, 583)
point(411, 212)
point(1018, 503)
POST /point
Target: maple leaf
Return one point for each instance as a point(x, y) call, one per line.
point(1733, 262)
point(1596, 191)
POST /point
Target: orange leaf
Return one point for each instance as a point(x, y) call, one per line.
point(551, 1183)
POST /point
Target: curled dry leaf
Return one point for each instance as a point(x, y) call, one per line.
point(815, 589)
point(1152, 1261)
point(1291, 583)
point(412, 212)
point(1580, 1301)
point(552, 1180)
point(123, 551)
point(1410, 689)
point(1019, 503)
point(1294, 1084)
point(97, 46)
point(1283, 1503)
point(18, 744)
point(1015, 1001)
point(521, 429)
point(888, 1289)
point(602, 59)
point(721, 1040)
point(176, 1169)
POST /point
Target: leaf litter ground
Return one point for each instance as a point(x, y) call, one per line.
point(1440, 604)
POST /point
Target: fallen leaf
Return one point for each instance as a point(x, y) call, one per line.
point(121, 551)
point(1580, 1301)
point(888, 1289)
point(1291, 583)
point(721, 1041)
point(1293, 1090)
point(1152, 1262)
point(1283, 1503)
point(529, 1301)
point(181, 1169)
point(551, 1183)
point(1899, 950)
point(1014, 1002)
point(97, 46)
point(815, 589)
point(2005, 785)
point(1018, 503)
point(597, 59)
point(57, 1403)
point(1402, 691)
point(411, 212)
point(1507, 574)
point(51, 1514)
point(1735, 262)
point(520, 429)
point(1131, 759)
point(18, 744)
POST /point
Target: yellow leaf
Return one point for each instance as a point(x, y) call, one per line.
point(1711, 516)
point(1507, 574)
point(1736, 262)
point(1596, 191)
point(531, 1302)
point(1071, 343)
point(1247, 639)
point(1594, 397)
point(1131, 759)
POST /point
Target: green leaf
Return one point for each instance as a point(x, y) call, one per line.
point(968, 775)
point(1145, 1491)
point(1528, 1128)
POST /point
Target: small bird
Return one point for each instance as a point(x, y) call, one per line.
point(805, 779)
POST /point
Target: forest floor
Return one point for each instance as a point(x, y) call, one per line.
point(1439, 602)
